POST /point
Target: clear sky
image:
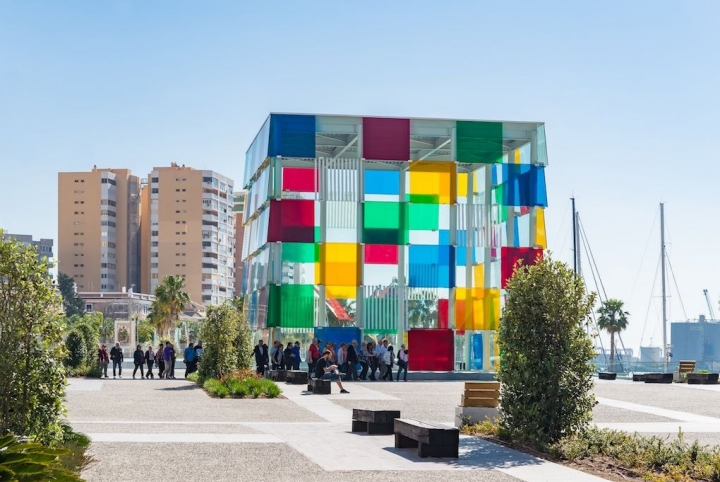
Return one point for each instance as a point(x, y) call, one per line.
point(628, 91)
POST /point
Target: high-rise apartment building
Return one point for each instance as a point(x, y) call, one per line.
point(44, 246)
point(188, 229)
point(98, 229)
point(238, 210)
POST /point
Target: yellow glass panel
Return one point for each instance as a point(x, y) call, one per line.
point(341, 292)
point(517, 156)
point(479, 276)
point(462, 180)
point(477, 309)
point(434, 179)
point(540, 235)
point(341, 274)
point(340, 253)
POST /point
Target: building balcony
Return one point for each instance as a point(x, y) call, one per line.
point(211, 217)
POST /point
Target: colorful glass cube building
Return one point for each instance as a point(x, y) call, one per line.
point(408, 228)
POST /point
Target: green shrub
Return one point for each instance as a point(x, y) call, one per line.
point(238, 388)
point(545, 367)
point(216, 388)
point(32, 379)
point(218, 336)
point(23, 461)
point(90, 336)
point(76, 353)
point(77, 460)
point(268, 388)
point(704, 372)
point(193, 377)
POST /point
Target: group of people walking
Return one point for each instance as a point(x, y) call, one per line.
point(164, 357)
point(373, 361)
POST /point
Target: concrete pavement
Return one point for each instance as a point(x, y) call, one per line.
point(137, 426)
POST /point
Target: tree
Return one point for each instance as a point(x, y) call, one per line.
point(613, 320)
point(106, 329)
point(170, 300)
point(32, 379)
point(72, 303)
point(219, 335)
point(76, 351)
point(144, 332)
point(545, 367)
point(243, 340)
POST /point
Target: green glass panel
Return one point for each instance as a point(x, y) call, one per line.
point(317, 233)
point(300, 252)
point(273, 313)
point(424, 198)
point(424, 216)
point(498, 194)
point(385, 236)
point(297, 307)
point(479, 142)
point(382, 215)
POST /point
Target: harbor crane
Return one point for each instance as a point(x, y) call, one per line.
point(709, 303)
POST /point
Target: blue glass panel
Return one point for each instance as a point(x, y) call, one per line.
point(516, 231)
point(445, 236)
point(538, 189)
point(292, 136)
point(523, 185)
point(382, 182)
point(431, 266)
point(338, 335)
point(477, 351)
point(461, 255)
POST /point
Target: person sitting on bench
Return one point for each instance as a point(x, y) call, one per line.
point(324, 369)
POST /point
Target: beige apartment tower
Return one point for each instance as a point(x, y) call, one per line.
point(188, 229)
point(99, 228)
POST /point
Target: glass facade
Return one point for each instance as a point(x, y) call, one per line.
point(408, 228)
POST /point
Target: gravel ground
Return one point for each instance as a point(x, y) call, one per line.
point(247, 462)
point(175, 400)
point(148, 428)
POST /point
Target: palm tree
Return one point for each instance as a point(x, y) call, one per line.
point(613, 320)
point(170, 300)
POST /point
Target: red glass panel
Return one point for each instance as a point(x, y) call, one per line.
point(299, 179)
point(292, 220)
point(386, 139)
point(443, 307)
point(431, 350)
point(381, 253)
point(510, 256)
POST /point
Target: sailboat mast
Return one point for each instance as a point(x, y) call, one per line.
point(575, 238)
point(664, 296)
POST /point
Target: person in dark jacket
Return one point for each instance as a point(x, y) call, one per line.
point(261, 357)
point(288, 356)
point(160, 361)
point(139, 360)
point(103, 359)
point(150, 360)
point(352, 360)
point(296, 356)
point(116, 355)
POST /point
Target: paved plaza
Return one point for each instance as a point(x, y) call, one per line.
point(140, 426)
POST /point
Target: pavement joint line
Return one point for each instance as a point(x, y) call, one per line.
point(193, 438)
point(674, 414)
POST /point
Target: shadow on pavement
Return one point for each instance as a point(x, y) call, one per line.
point(475, 453)
point(181, 388)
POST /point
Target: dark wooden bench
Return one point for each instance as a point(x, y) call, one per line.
point(297, 377)
point(658, 378)
point(277, 375)
point(431, 440)
point(638, 377)
point(374, 422)
point(321, 386)
point(607, 375)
